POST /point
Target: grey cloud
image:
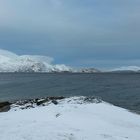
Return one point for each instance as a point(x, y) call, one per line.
point(69, 30)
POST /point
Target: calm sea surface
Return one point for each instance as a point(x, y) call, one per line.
point(120, 89)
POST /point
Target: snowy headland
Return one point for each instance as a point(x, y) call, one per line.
point(13, 63)
point(75, 118)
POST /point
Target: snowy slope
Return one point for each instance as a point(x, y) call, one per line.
point(10, 62)
point(70, 121)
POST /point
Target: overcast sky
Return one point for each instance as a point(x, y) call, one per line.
point(79, 33)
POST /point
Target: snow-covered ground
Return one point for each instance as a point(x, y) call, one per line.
point(70, 120)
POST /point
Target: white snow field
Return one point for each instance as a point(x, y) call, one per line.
point(70, 121)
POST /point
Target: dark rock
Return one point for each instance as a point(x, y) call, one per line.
point(36, 100)
point(56, 98)
point(55, 102)
point(57, 115)
point(4, 106)
point(92, 100)
point(42, 102)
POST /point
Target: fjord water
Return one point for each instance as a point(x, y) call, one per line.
point(122, 89)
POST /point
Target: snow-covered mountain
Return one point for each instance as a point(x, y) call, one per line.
point(10, 62)
point(126, 69)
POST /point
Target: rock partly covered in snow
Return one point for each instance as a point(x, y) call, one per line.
point(70, 119)
point(4, 106)
point(32, 103)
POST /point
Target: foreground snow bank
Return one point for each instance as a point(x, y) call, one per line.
point(70, 120)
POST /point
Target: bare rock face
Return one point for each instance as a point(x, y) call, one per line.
point(4, 106)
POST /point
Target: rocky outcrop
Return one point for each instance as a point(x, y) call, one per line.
point(32, 103)
point(4, 106)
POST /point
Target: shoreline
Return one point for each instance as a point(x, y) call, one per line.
point(45, 101)
point(32, 103)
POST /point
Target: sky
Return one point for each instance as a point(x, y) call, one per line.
point(79, 33)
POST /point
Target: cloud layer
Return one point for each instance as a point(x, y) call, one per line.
point(85, 31)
